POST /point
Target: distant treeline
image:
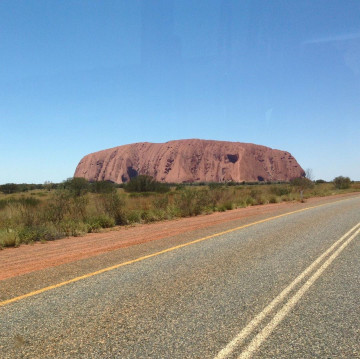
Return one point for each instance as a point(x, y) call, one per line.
point(137, 184)
point(100, 186)
point(140, 183)
point(9, 188)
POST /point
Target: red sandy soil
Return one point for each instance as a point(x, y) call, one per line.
point(30, 258)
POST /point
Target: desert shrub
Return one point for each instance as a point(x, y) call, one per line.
point(160, 202)
point(261, 200)
point(341, 182)
point(77, 186)
point(273, 199)
point(74, 228)
point(255, 192)
point(58, 207)
point(37, 233)
point(228, 205)
point(257, 196)
point(153, 215)
point(280, 190)
point(8, 238)
point(26, 201)
point(173, 211)
point(78, 207)
point(114, 206)
point(102, 187)
point(134, 216)
point(185, 202)
point(145, 183)
point(15, 214)
point(99, 221)
point(215, 195)
point(250, 201)
point(29, 216)
point(192, 202)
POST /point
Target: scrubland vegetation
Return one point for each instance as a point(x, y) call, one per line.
point(30, 213)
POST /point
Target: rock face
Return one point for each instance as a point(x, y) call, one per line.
point(190, 161)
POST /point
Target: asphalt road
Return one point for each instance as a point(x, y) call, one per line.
point(288, 287)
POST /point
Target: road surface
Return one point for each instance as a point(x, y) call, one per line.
point(281, 286)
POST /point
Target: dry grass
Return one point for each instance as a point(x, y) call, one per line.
point(42, 215)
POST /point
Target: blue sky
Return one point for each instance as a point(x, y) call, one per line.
point(81, 76)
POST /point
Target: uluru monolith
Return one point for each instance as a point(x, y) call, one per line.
point(186, 161)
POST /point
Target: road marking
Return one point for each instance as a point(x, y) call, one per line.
point(279, 316)
point(116, 266)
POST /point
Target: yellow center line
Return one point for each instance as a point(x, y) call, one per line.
point(107, 269)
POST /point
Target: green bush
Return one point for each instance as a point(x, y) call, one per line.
point(273, 199)
point(77, 186)
point(192, 201)
point(154, 215)
point(38, 233)
point(143, 183)
point(100, 221)
point(8, 238)
point(280, 190)
point(134, 216)
point(228, 205)
point(58, 207)
point(74, 228)
point(341, 182)
point(160, 202)
point(114, 206)
point(102, 187)
point(249, 201)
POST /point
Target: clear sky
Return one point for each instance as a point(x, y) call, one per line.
point(81, 76)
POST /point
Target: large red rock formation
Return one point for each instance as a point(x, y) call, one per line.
point(190, 161)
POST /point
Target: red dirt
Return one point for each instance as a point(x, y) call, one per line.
point(30, 258)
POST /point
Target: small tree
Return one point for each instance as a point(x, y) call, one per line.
point(77, 186)
point(341, 182)
point(302, 183)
